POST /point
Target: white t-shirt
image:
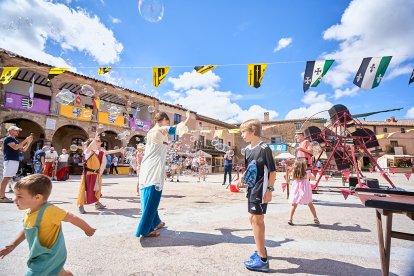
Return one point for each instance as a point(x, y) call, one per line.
point(115, 161)
point(51, 156)
point(63, 158)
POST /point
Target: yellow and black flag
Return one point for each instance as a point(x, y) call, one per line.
point(202, 69)
point(56, 71)
point(158, 75)
point(103, 70)
point(255, 73)
point(7, 74)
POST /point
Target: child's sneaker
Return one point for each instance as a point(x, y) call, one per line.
point(254, 255)
point(256, 264)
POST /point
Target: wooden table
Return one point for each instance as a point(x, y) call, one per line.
point(387, 203)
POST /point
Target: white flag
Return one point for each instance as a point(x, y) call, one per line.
point(31, 90)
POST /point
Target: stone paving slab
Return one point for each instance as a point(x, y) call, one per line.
point(208, 233)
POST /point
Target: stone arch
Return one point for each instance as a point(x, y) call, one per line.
point(109, 140)
point(133, 141)
point(66, 135)
point(28, 126)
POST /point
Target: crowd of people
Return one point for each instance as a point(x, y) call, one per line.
point(46, 243)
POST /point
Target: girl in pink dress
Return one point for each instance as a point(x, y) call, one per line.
point(301, 189)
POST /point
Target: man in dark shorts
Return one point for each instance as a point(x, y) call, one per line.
point(260, 176)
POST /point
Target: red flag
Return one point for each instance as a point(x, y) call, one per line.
point(346, 193)
point(392, 170)
point(326, 177)
point(94, 103)
point(408, 175)
point(284, 185)
point(371, 170)
point(78, 100)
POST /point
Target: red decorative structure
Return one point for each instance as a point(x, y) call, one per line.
point(341, 139)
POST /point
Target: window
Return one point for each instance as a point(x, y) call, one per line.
point(77, 141)
point(201, 140)
point(298, 125)
point(402, 130)
point(177, 118)
point(394, 143)
point(200, 124)
point(276, 140)
point(385, 130)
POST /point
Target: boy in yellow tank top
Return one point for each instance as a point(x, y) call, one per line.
point(42, 227)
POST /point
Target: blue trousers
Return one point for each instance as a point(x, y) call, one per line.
point(150, 200)
point(227, 170)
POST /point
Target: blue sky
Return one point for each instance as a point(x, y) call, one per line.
point(96, 33)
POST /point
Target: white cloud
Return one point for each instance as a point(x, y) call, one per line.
point(410, 113)
point(283, 43)
point(351, 92)
point(115, 20)
point(35, 22)
point(402, 70)
point(202, 96)
point(369, 29)
point(315, 103)
point(189, 80)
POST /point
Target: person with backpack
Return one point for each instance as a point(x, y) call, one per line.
point(39, 160)
point(259, 177)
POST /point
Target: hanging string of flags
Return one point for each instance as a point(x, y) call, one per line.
point(369, 75)
point(388, 135)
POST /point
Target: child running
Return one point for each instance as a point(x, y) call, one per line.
point(259, 177)
point(301, 189)
point(42, 227)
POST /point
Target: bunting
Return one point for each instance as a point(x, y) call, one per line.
point(204, 68)
point(103, 70)
point(234, 131)
point(371, 72)
point(56, 71)
point(314, 72)
point(158, 75)
point(7, 74)
point(411, 78)
point(255, 73)
point(31, 90)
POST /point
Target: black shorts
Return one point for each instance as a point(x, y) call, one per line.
point(257, 208)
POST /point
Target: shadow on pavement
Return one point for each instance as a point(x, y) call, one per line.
point(323, 267)
point(327, 203)
point(184, 238)
point(126, 212)
point(172, 196)
point(337, 227)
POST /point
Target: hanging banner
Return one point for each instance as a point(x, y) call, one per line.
point(218, 133)
point(371, 72)
point(278, 147)
point(20, 102)
point(140, 125)
point(314, 72)
point(7, 74)
point(255, 73)
point(56, 71)
point(234, 131)
point(204, 68)
point(78, 113)
point(158, 75)
point(103, 70)
point(109, 119)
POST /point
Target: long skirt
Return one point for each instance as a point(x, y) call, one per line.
point(150, 200)
point(89, 189)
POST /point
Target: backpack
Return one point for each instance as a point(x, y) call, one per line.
point(250, 175)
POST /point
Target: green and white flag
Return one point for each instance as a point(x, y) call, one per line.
point(371, 72)
point(314, 72)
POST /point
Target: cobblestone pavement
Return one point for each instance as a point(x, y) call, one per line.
point(208, 232)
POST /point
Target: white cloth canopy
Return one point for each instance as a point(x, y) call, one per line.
point(285, 155)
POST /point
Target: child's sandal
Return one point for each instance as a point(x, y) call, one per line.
point(316, 221)
point(290, 222)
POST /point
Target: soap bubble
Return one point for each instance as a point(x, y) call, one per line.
point(133, 128)
point(231, 153)
point(243, 151)
point(219, 146)
point(73, 147)
point(100, 126)
point(128, 109)
point(214, 142)
point(113, 110)
point(151, 109)
point(137, 139)
point(87, 113)
point(65, 97)
point(151, 10)
point(103, 134)
point(146, 128)
point(193, 139)
point(87, 90)
point(139, 123)
point(138, 109)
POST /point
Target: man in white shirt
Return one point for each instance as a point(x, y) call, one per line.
point(50, 162)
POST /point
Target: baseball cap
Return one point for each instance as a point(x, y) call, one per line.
point(299, 132)
point(14, 128)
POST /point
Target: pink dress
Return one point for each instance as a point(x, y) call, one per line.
point(301, 191)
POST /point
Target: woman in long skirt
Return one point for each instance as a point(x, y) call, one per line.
point(151, 177)
point(93, 167)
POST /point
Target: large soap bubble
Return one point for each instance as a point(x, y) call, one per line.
point(113, 110)
point(87, 90)
point(151, 10)
point(65, 97)
point(151, 109)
